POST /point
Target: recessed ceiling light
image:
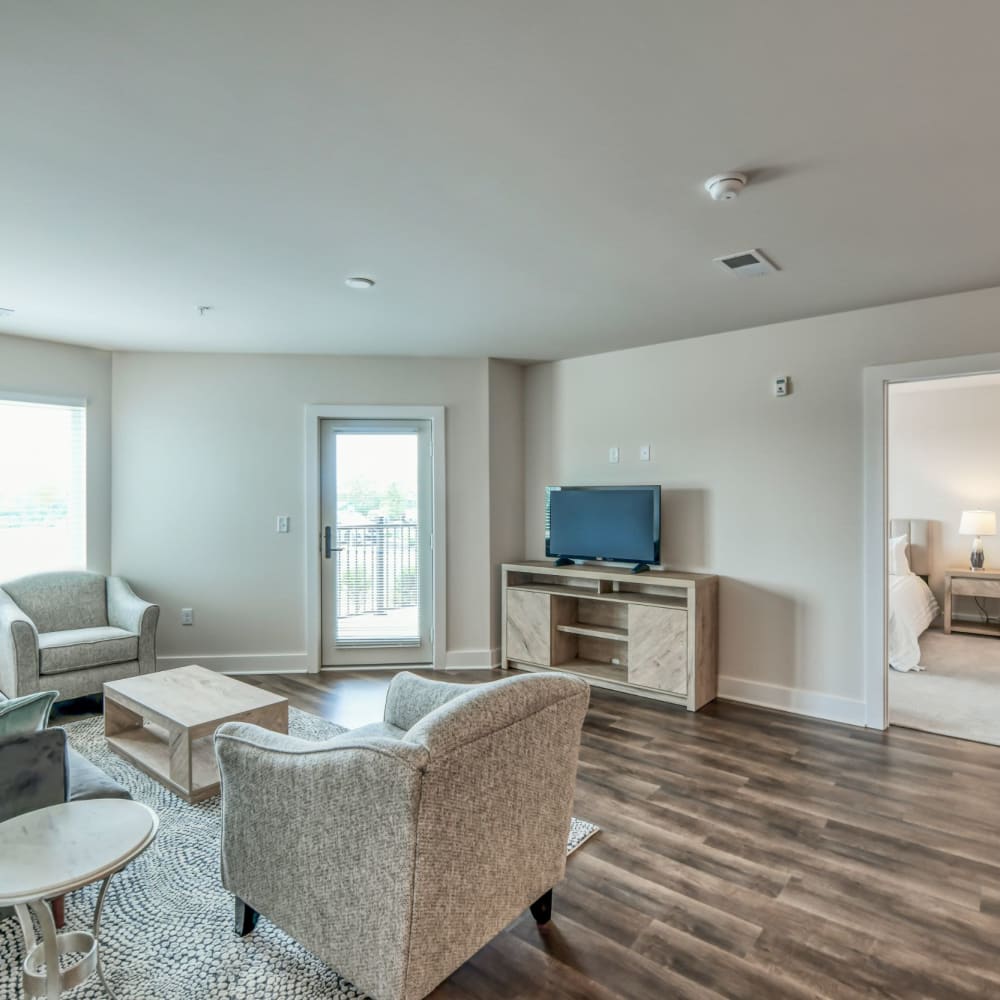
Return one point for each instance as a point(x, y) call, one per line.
point(359, 282)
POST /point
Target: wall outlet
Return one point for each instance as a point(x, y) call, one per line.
point(613, 455)
point(282, 524)
point(644, 453)
point(187, 616)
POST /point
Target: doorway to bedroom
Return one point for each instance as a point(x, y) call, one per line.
point(943, 559)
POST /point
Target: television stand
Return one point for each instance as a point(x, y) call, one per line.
point(640, 568)
point(563, 561)
point(655, 636)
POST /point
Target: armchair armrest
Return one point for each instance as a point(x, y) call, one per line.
point(18, 649)
point(127, 611)
point(411, 697)
point(34, 772)
point(321, 839)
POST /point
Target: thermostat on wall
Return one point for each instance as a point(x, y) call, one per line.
point(782, 385)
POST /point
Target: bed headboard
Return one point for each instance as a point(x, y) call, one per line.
point(916, 531)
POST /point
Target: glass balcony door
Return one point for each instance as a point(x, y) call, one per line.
point(376, 548)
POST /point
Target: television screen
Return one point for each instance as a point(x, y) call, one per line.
point(615, 523)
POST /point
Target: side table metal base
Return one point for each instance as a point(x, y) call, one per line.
point(51, 983)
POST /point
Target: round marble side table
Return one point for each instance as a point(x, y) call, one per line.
point(56, 850)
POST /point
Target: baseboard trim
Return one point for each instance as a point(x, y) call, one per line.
point(814, 704)
point(298, 663)
point(472, 659)
point(374, 668)
point(241, 663)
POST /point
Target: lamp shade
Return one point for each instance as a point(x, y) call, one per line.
point(978, 522)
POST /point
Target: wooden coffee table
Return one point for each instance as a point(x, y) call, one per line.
point(163, 723)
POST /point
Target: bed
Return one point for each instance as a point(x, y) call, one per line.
point(912, 606)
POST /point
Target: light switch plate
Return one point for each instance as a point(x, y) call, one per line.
point(282, 524)
point(644, 453)
point(612, 455)
point(187, 616)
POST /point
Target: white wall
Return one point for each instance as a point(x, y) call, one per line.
point(43, 368)
point(209, 448)
point(943, 460)
point(506, 421)
point(765, 492)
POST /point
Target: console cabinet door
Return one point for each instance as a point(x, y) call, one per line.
point(529, 627)
point(658, 648)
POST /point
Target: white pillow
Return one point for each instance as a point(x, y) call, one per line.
point(899, 565)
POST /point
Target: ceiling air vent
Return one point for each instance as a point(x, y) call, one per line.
point(747, 263)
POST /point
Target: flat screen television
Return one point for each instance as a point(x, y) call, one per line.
point(609, 523)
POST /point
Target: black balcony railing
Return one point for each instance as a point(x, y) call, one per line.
point(377, 568)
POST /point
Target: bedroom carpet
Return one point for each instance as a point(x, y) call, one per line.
point(958, 691)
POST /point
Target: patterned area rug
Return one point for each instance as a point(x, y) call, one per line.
point(167, 927)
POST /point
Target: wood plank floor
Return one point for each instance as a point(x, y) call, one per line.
point(748, 854)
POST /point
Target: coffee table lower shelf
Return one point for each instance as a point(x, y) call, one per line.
point(148, 748)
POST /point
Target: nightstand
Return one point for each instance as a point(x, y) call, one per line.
point(969, 583)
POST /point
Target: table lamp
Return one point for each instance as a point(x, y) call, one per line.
point(978, 523)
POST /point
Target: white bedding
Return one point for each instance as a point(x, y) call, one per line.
point(912, 607)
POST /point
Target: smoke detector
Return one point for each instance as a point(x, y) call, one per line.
point(747, 264)
point(727, 186)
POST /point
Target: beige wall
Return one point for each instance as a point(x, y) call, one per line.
point(943, 460)
point(42, 368)
point(765, 492)
point(506, 419)
point(210, 448)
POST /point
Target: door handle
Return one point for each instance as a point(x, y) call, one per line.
point(328, 547)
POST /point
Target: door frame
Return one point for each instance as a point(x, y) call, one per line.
point(315, 412)
point(876, 511)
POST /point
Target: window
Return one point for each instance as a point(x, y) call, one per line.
point(43, 496)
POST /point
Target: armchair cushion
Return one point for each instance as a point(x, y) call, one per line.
point(27, 714)
point(87, 781)
point(59, 601)
point(379, 730)
point(80, 648)
point(33, 772)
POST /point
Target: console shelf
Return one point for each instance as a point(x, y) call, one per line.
point(607, 632)
point(652, 634)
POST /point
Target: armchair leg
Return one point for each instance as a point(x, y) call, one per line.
point(246, 917)
point(541, 909)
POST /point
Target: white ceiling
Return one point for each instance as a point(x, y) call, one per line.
point(522, 178)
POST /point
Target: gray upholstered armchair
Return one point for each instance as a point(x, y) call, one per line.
point(397, 850)
point(73, 631)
